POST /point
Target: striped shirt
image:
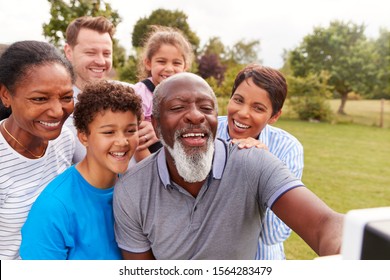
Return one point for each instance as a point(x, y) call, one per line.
point(22, 180)
point(289, 150)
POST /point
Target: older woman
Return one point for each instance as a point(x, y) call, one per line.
point(36, 84)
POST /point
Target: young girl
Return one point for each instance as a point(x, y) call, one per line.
point(166, 52)
point(73, 216)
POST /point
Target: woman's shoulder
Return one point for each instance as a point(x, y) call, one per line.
point(275, 132)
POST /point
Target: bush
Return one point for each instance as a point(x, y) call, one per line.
point(308, 97)
point(313, 108)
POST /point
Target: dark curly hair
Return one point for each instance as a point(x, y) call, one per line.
point(105, 95)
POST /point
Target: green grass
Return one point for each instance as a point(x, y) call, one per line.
point(366, 112)
point(346, 165)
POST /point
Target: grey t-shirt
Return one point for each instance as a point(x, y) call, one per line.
point(222, 222)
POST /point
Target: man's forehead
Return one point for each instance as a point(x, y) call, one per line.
point(189, 97)
point(187, 86)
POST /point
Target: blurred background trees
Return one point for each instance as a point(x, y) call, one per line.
point(331, 62)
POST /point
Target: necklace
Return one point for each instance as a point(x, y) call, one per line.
point(34, 155)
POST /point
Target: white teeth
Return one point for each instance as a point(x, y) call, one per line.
point(193, 135)
point(97, 70)
point(50, 124)
point(240, 125)
point(118, 154)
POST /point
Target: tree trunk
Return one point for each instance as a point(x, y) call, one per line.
point(344, 97)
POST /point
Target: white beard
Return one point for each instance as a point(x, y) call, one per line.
point(194, 167)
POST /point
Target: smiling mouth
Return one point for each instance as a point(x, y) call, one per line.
point(50, 124)
point(240, 125)
point(194, 139)
point(118, 154)
point(97, 70)
point(202, 135)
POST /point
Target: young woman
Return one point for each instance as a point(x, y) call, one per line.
point(256, 102)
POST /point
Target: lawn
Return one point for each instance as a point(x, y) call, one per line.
point(367, 112)
point(347, 165)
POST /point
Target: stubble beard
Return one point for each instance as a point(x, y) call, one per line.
point(195, 166)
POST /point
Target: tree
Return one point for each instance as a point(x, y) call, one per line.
point(128, 73)
point(223, 63)
point(209, 62)
point(209, 65)
point(214, 46)
point(244, 52)
point(176, 19)
point(343, 51)
point(63, 12)
point(382, 62)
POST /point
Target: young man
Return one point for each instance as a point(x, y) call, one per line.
point(201, 198)
point(89, 47)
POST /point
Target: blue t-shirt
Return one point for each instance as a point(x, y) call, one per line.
point(70, 219)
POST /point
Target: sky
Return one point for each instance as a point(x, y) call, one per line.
point(278, 24)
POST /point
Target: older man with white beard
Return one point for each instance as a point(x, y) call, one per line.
point(201, 198)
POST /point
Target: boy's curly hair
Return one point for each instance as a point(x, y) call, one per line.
point(105, 95)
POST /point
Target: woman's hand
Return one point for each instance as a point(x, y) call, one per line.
point(246, 143)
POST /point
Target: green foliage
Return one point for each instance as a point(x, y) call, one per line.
point(223, 63)
point(63, 12)
point(224, 89)
point(382, 62)
point(214, 46)
point(128, 73)
point(308, 97)
point(177, 19)
point(244, 52)
point(343, 51)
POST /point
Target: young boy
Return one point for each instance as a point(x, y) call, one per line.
point(73, 216)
